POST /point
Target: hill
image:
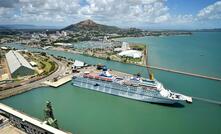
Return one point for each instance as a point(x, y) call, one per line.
point(25, 26)
point(89, 25)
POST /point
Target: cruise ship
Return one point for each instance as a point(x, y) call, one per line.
point(134, 87)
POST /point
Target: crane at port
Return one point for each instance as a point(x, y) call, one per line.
point(151, 76)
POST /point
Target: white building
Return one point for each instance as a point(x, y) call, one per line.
point(33, 64)
point(131, 53)
point(18, 65)
point(4, 48)
point(77, 64)
point(124, 47)
point(62, 44)
point(64, 33)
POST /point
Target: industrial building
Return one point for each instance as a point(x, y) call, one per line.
point(131, 53)
point(18, 65)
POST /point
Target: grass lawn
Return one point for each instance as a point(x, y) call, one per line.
point(140, 47)
point(47, 66)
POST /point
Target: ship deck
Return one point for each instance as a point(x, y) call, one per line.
point(93, 70)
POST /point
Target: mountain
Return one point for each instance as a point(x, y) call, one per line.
point(25, 26)
point(89, 25)
point(19, 28)
point(6, 31)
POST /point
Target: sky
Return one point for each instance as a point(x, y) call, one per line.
point(147, 14)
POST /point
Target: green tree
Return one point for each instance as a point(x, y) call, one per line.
point(43, 53)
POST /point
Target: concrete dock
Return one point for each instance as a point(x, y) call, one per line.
point(59, 82)
point(185, 73)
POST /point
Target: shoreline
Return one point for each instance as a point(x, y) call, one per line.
point(161, 68)
point(158, 68)
point(82, 53)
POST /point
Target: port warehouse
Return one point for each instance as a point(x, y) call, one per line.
point(26, 123)
point(18, 65)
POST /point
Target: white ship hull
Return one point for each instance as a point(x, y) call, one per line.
point(122, 90)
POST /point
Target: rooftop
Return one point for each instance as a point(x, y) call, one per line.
point(16, 60)
point(131, 53)
point(30, 119)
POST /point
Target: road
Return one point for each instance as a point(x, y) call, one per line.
point(26, 86)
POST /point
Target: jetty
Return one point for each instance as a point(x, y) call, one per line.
point(176, 71)
point(59, 82)
point(185, 73)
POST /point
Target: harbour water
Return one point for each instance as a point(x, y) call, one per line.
point(198, 53)
point(84, 111)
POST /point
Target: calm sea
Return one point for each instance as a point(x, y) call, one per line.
point(87, 112)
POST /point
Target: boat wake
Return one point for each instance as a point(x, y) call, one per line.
point(207, 100)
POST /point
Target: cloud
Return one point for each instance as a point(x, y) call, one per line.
point(111, 11)
point(39, 11)
point(7, 8)
point(48, 10)
point(210, 12)
point(183, 19)
point(151, 11)
point(115, 12)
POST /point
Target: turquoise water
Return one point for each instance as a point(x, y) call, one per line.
point(86, 112)
point(198, 53)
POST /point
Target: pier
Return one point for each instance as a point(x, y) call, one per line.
point(185, 73)
point(59, 82)
point(176, 71)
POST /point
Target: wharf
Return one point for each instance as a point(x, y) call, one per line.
point(59, 82)
point(178, 72)
point(185, 73)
